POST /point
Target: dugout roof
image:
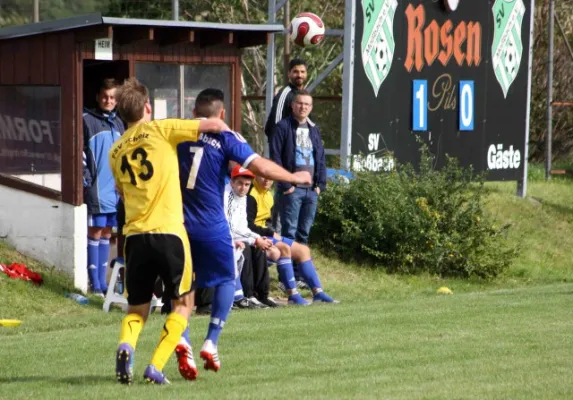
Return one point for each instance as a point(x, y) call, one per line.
point(246, 34)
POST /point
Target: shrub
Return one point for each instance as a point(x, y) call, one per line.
point(411, 221)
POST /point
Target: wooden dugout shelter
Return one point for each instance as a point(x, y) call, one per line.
point(50, 70)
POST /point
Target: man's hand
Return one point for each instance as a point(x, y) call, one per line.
point(289, 191)
point(239, 245)
point(317, 190)
point(263, 243)
point(302, 178)
point(277, 236)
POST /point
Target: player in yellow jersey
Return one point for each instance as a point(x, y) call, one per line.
point(146, 171)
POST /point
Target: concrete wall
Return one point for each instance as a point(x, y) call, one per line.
point(48, 230)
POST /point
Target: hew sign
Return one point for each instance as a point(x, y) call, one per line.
point(453, 73)
point(103, 49)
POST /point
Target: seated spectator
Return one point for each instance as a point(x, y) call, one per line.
point(277, 249)
point(260, 205)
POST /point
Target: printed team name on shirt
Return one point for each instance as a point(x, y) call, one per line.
point(131, 140)
point(210, 141)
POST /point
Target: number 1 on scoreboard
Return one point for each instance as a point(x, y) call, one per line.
point(420, 105)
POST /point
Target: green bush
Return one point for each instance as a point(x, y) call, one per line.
point(411, 221)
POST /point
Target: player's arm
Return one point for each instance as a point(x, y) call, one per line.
point(183, 130)
point(270, 170)
point(239, 151)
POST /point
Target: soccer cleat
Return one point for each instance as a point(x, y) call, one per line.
point(297, 299)
point(282, 287)
point(124, 364)
point(269, 302)
point(187, 366)
point(210, 355)
point(152, 375)
point(257, 303)
point(324, 298)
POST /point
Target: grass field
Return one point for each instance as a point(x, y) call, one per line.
point(392, 337)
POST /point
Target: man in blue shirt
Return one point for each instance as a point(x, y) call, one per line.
point(203, 166)
point(102, 127)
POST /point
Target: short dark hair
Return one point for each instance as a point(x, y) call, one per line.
point(301, 92)
point(107, 84)
point(295, 62)
point(209, 103)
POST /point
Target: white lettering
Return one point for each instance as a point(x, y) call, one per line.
point(498, 158)
point(373, 163)
point(373, 141)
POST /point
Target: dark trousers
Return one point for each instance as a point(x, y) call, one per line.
point(255, 274)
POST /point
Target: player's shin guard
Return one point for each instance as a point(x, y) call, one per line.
point(131, 327)
point(172, 330)
point(103, 256)
point(222, 303)
point(93, 262)
point(286, 273)
point(308, 273)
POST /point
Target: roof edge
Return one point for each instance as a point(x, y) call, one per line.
point(269, 28)
point(57, 25)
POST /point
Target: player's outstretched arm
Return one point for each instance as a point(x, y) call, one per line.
point(214, 125)
point(270, 170)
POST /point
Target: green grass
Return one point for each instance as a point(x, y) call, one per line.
point(391, 337)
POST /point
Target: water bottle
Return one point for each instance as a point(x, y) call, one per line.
point(78, 298)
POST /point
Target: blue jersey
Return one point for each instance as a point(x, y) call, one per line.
point(203, 166)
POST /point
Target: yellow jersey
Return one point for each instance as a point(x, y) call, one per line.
point(265, 202)
point(146, 171)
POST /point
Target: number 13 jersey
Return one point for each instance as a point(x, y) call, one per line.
point(203, 165)
point(146, 171)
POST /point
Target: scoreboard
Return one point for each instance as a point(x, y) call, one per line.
point(455, 73)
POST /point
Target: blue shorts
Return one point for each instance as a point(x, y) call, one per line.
point(213, 261)
point(102, 220)
point(285, 240)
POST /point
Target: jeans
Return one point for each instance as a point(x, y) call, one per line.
point(275, 216)
point(297, 213)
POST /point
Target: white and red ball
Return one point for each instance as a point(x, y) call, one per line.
point(307, 29)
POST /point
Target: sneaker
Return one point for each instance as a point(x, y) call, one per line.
point(243, 304)
point(324, 298)
point(152, 375)
point(99, 294)
point(282, 287)
point(210, 355)
point(187, 366)
point(124, 364)
point(257, 303)
point(298, 300)
point(269, 302)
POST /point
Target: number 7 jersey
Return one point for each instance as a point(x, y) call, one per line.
point(203, 165)
point(146, 171)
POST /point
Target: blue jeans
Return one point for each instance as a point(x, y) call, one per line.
point(297, 213)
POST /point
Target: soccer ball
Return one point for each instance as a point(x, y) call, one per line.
point(306, 29)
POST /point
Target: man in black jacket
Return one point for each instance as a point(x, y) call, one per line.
point(282, 101)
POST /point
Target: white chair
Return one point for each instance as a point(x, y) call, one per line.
point(112, 297)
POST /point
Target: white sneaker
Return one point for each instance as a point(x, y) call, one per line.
point(210, 355)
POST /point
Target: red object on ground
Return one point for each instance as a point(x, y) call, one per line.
point(19, 271)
